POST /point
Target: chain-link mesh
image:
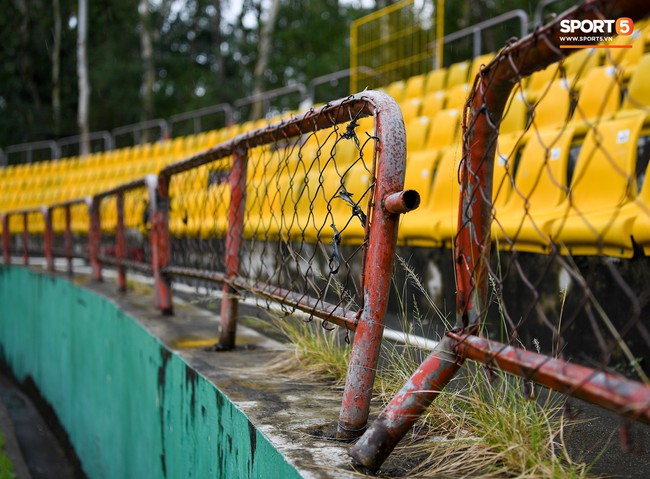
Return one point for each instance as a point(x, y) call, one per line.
point(551, 234)
point(569, 201)
point(134, 217)
point(306, 208)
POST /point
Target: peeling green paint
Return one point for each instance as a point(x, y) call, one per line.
point(131, 407)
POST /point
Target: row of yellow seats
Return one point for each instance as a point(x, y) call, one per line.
point(598, 99)
point(462, 74)
point(532, 210)
point(600, 209)
point(33, 185)
point(291, 204)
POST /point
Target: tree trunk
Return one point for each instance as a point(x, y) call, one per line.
point(56, 69)
point(82, 73)
point(263, 53)
point(149, 73)
point(218, 67)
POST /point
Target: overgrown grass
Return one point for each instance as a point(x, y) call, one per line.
point(484, 424)
point(318, 352)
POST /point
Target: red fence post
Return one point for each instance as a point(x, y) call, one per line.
point(94, 237)
point(472, 244)
point(120, 243)
point(372, 449)
point(25, 239)
point(378, 263)
point(229, 301)
point(158, 188)
point(49, 238)
point(68, 238)
point(6, 239)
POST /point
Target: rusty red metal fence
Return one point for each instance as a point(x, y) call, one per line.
point(301, 214)
point(550, 251)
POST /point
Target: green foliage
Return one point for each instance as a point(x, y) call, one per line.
point(6, 468)
point(201, 58)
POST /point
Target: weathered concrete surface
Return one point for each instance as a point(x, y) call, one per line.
point(136, 404)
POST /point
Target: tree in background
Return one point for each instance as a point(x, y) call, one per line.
point(263, 53)
point(82, 75)
point(149, 71)
point(164, 57)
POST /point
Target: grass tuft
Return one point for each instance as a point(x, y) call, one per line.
point(485, 424)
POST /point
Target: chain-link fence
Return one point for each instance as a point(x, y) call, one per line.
point(301, 214)
point(550, 250)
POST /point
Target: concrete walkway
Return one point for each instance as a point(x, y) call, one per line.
point(296, 415)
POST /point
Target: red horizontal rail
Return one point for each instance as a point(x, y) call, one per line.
point(610, 391)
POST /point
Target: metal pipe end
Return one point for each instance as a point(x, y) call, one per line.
point(373, 448)
point(402, 201)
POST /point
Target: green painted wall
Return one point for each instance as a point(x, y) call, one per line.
point(130, 406)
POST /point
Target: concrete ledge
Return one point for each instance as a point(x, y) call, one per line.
point(136, 402)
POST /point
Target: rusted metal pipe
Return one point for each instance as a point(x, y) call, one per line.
point(49, 238)
point(378, 264)
point(229, 302)
point(158, 189)
point(480, 130)
point(402, 202)
point(610, 391)
point(120, 242)
point(68, 238)
point(94, 237)
point(372, 449)
point(6, 237)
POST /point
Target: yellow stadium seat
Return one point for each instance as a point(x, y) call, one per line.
point(457, 74)
point(626, 59)
point(317, 200)
point(432, 103)
point(416, 134)
point(212, 138)
point(396, 90)
point(431, 223)
point(599, 97)
point(272, 213)
point(208, 214)
point(639, 211)
point(457, 96)
point(638, 89)
point(320, 203)
point(420, 170)
point(79, 221)
point(505, 164)
point(444, 129)
point(539, 185)
point(135, 203)
point(578, 64)
point(410, 108)
point(539, 81)
point(414, 87)
point(552, 107)
point(435, 81)
point(515, 113)
point(477, 62)
point(357, 182)
point(603, 184)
